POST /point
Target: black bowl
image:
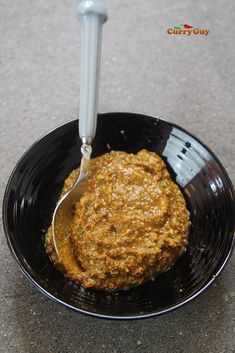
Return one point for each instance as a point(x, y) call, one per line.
point(35, 184)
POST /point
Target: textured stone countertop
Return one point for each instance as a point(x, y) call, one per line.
point(186, 79)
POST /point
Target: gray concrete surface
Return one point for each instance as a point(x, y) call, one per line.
point(188, 80)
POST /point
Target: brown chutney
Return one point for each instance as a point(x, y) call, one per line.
point(130, 225)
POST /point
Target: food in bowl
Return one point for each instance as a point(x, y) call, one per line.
point(130, 225)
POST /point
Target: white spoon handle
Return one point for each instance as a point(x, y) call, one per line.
point(91, 14)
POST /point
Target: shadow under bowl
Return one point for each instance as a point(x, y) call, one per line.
point(33, 190)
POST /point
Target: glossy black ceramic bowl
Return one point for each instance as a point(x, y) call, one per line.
point(35, 184)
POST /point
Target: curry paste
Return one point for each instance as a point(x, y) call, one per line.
point(130, 225)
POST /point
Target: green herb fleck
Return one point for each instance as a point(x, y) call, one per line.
point(134, 285)
point(81, 234)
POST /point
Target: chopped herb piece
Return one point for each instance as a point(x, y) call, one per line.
point(81, 234)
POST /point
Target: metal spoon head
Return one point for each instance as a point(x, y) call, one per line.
point(64, 211)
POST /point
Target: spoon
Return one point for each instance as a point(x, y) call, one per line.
point(91, 15)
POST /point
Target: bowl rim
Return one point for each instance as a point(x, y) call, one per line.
point(27, 273)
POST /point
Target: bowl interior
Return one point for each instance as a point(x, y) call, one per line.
point(35, 184)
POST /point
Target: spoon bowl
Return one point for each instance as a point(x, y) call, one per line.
point(63, 214)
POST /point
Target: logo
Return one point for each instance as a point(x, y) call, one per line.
point(186, 29)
